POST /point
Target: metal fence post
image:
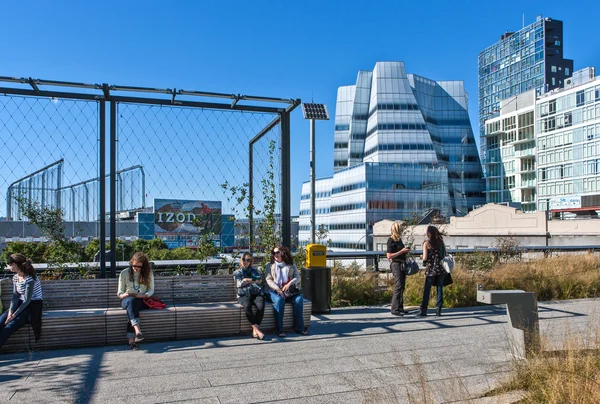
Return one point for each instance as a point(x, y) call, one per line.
point(102, 186)
point(286, 217)
point(113, 188)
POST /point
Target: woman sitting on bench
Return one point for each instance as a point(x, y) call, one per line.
point(135, 284)
point(249, 290)
point(26, 304)
point(283, 280)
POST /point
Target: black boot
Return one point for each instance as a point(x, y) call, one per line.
point(438, 312)
point(423, 312)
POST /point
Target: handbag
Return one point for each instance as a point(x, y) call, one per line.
point(448, 263)
point(447, 260)
point(292, 291)
point(448, 279)
point(154, 303)
point(411, 266)
point(251, 290)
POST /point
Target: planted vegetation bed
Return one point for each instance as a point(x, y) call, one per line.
point(556, 278)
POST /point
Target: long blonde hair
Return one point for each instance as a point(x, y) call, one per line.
point(396, 231)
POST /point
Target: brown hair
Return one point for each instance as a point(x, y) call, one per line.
point(145, 271)
point(435, 238)
point(23, 263)
point(286, 256)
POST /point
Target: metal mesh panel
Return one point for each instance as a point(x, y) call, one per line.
point(58, 134)
point(188, 154)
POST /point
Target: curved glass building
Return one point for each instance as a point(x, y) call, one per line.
point(403, 145)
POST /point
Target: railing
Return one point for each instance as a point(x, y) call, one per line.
point(376, 260)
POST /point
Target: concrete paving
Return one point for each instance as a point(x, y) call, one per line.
point(353, 355)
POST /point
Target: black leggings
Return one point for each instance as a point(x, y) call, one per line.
point(258, 302)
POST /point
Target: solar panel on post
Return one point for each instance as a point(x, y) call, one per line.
point(315, 111)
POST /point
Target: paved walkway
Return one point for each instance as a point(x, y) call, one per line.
point(353, 355)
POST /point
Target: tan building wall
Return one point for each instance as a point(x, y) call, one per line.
point(482, 228)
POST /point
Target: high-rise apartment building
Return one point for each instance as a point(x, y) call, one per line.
point(568, 146)
point(544, 151)
point(403, 144)
point(529, 59)
point(510, 153)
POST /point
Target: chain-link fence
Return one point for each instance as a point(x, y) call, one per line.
point(121, 166)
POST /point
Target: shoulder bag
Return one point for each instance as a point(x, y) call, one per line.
point(447, 260)
point(411, 266)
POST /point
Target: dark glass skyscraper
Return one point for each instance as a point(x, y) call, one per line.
point(531, 58)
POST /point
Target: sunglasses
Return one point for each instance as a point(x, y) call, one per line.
point(137, 266)
point(247, 259)
point(276, 252)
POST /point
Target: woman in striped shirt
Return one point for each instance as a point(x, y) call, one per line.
point(26, 304)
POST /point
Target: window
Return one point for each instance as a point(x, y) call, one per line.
point(567, 72)
point(556, 43)
point(580, 98)
point(553, 69)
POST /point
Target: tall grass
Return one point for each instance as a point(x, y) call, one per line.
point(555, 278)
point(570, 374)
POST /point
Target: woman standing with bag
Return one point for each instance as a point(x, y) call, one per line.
point(283, 279)
point(247, 279)
point(26, 304)
point(434, 272)
point(135, 284)
point(396, 252)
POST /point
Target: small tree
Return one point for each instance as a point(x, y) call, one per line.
point(51, 224)
point(267, 233)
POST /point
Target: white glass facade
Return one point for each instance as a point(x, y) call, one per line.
point(568, 145)
point(403, 145)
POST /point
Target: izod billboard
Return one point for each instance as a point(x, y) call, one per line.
point(176, 217)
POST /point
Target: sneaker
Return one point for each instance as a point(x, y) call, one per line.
point(134, 346)
point(398, 313)
point(423, 313)
point(139, 337)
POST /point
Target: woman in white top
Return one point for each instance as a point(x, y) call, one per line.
point(26, 304)
point(283, 279)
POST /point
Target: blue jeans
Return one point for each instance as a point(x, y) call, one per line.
point(437, 280)
point(18, 322)
point(279, 306)
point(133, 305)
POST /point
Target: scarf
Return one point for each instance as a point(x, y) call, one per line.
point(281, 275)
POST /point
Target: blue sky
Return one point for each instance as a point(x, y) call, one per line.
point(301, 49)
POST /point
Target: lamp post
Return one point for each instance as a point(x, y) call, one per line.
point(313, 112)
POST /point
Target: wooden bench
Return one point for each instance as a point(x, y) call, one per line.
point(88, 312)
point(74, 315)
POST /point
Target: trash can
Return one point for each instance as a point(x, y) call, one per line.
point(316, 279)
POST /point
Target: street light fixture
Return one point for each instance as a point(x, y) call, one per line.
point(313, 112)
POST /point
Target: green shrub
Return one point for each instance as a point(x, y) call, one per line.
point(34, 251)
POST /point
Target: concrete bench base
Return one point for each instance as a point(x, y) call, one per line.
point(523, 322)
